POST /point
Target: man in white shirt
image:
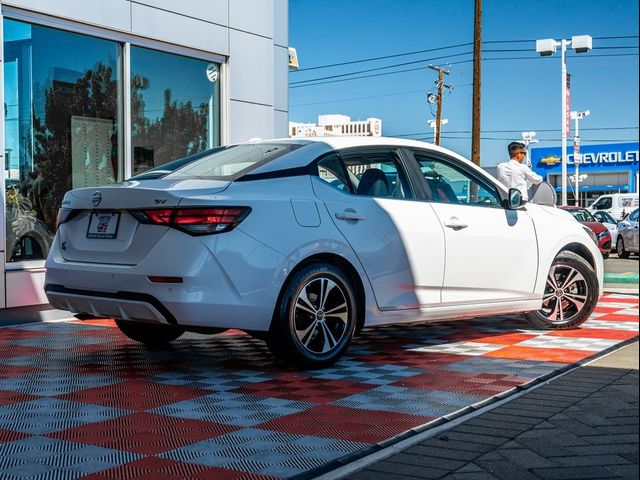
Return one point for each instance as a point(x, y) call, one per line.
point(515, 173)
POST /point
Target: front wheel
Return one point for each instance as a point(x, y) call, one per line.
point(314, 322)
point(151, 334)
point(622, 252)
point(570, 295)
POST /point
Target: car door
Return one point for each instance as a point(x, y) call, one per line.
point(398, 240)
point(633, 229)
point(491, 253)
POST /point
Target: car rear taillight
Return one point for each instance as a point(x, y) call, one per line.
point(64, 215)
point(194, 220)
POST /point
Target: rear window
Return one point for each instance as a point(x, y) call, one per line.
point(582, 215)
point(232, 162)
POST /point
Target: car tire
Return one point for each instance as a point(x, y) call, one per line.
point(315, 318)
point(605, 256)
point(622, 252)
point(571, 293)
point(150, 334)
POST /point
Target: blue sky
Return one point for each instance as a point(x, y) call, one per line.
point(517, 95)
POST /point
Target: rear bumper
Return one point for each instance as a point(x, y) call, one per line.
point(228, 281)
point(122, 305)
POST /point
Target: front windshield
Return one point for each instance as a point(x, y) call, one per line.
point(232, 161)
point(583, 216)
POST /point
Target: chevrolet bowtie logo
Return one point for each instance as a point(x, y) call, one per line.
point(550, 160)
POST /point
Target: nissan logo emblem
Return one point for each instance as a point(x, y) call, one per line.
point(96, 199)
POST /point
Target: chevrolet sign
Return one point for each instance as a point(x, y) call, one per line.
point(550, 160)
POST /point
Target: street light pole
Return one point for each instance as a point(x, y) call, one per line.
point(563, 46)
point(577, 156)
point(548, 46)
point(528, 138)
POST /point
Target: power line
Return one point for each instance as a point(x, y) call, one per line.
point(379, 68)
point(301, 84)
point(415, 52)
point(517, 131)
point(371, 59)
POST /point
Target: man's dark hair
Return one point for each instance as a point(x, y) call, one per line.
point(515, 147)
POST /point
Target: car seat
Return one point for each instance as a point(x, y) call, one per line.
point(373, 183)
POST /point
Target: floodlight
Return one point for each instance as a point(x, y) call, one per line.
point(581, 43)
point(546, 46)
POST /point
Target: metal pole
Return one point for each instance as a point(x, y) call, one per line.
point(439, 105)
point(564, 122)
point(576, 162)
point(477, 59)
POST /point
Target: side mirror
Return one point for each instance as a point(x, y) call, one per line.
point(514, 199)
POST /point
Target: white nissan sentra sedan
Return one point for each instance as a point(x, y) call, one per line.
point(305, 242)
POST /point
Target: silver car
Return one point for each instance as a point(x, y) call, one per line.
point(628, 235)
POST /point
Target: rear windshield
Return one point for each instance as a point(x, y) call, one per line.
point(233, 161)
point(582, 216)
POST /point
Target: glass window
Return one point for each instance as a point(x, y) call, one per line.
point(62, 126)
point(448, 184)
point(376, 174)
point(603, 204)
point(175, 105)
point(232, 161)
point(330, 170)
point(634, 216)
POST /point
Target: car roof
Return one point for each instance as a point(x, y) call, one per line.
point(314, 147)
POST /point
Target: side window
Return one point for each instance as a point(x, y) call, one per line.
point(330, 170)
point(452, 184)
point(376, 174)
point(634, 216)
point(603, 204)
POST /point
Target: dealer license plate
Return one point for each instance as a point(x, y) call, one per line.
point(103, 225)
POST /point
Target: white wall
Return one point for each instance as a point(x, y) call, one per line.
point(253, 34)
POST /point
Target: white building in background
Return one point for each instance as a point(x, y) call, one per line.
point(96, 91)
point(334, 125)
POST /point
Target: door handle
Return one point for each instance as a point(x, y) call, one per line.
point(455, 224)
point(349, 215)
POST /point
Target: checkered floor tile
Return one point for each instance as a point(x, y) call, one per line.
point(79, 400)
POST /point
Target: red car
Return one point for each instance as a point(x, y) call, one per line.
point(602, 234)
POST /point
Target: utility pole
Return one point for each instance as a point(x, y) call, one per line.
point(477, 52)
point(440, 84)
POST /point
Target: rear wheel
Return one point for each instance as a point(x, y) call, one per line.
point(151, 334)
point(316, 317)
point(620, 249)
point(570, 295)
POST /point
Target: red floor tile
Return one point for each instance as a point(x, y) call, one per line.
point(304, 389)
point(7, 436)
point(607, 334)
point(144, 433)
point(153, 468)
point(8, 398)
point(559, 355)
point(135, 395)
point(485, 384)
point(345, 423)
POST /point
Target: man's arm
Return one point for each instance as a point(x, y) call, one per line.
point(532, 176)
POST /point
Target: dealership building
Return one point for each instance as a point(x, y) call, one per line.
point(95, 92)
point(605, 168)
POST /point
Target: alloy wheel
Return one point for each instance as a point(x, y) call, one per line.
point(565, 295)
point(320, 315)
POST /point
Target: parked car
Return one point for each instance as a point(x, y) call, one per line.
point(601, 232)
point(609, 222)
point(618, 205)
point(306, 242)
point(628, 235)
